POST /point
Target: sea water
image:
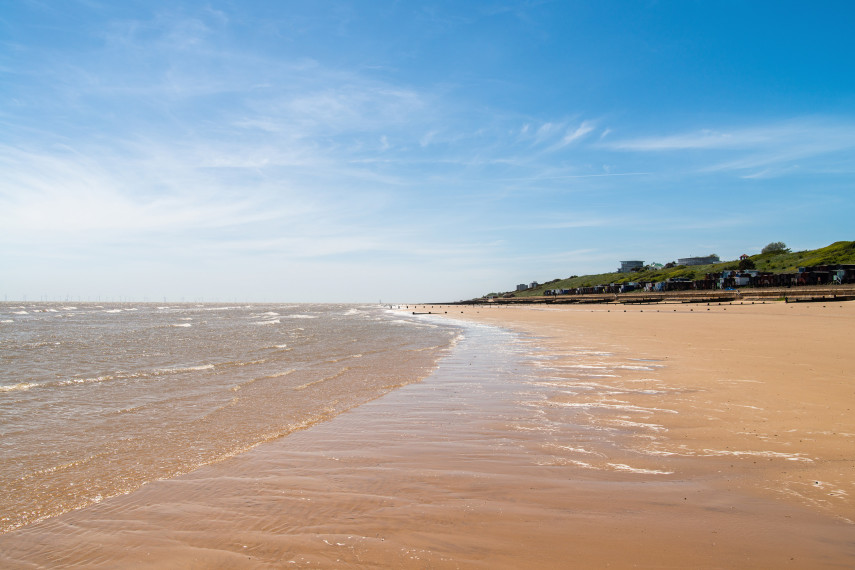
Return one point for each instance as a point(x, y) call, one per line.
point(97, 400)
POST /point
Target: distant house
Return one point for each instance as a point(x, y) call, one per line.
point(628, 266)
point(699, 260)
point(522, 287)
point(533, 285)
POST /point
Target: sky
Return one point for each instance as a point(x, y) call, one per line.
point(365, 151)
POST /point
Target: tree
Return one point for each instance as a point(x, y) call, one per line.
point(746, 263)
point(776, 247)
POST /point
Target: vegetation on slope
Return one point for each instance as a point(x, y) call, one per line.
point(776, 260)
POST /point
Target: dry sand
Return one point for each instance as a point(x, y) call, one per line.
point(686, 437)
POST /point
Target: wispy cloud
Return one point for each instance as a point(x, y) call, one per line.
point(831, 133)
point(46, 195)
point(574, 135)
point(764, 151)
point(573, 176)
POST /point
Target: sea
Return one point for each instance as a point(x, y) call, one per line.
point(97, 400)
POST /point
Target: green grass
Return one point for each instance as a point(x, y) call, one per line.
point(781, 262)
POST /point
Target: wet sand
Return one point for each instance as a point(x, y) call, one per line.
point(769, 388)
point(597, 439)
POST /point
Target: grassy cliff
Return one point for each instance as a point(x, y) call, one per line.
point(776, 262)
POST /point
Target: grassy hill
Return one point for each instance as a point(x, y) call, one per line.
point(777, 262)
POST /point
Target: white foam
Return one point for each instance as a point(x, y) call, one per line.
point(609, 406)
point(20, 313)
point(661, 452)
point(627, 468)
point(575, 449)
point(20, 387)
point(642, 425)
point(413, 323)
point(94, 380)
point(183, 325)
point(273, 322)
point(184, 369)
point(565, 461)
point(300, 316)
point(774, 454)
point(280, 374)
point(828, 486)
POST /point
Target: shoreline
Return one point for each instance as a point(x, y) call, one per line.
point(767, 382)
point(481, 465)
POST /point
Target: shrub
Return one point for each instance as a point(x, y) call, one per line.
point(746, 263)
point(776, 247)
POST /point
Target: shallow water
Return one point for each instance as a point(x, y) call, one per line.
point(98, 400)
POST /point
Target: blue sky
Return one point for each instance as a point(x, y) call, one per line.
point(408, 151)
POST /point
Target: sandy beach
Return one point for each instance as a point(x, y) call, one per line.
point(763, 392)
point(665, 436)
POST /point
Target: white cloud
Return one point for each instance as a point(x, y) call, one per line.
point(705, 139)
point(545, 130)
point(814, 135)
point(43, 196)
point(766, 150)
point(427, 139)
point(582, 130)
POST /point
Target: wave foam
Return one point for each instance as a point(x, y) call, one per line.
point(627, 468)
point(19, 387)
point(774, 454)
point(184, 369)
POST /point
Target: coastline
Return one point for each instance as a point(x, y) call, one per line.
point(526, 448)
point(761, 393)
